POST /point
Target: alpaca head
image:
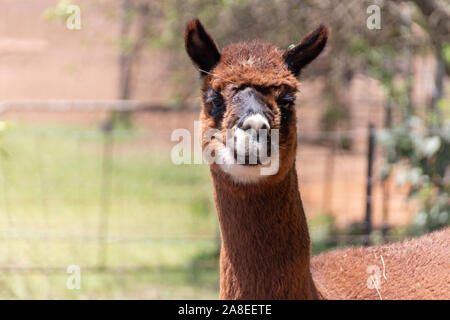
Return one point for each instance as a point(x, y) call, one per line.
point(248, 97)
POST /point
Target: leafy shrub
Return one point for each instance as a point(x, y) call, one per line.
point(423, 148)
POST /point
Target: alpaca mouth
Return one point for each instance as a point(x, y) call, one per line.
point(251, 147)
point(249, 159)
point(247, 167)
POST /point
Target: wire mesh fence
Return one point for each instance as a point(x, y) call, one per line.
point(112, 203)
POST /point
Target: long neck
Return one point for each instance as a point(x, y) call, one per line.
point(265, 250)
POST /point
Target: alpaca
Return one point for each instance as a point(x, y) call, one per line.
point(265, 251)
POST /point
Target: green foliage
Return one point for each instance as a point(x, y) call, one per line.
point(446, 53)
point(58, 12)
point(424, 151)
point(332, 116)
point(4, 128)
point(420, 147)
point(323, 233)
point(127, 43)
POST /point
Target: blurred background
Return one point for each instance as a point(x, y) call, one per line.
point(86, 117)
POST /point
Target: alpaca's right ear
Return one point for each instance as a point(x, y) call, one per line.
point(200, 46)
point(307, 50)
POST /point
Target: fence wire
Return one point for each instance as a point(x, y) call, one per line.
point(112, 203)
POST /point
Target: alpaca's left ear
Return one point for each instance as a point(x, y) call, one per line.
point(307, 50)
point(200, 46)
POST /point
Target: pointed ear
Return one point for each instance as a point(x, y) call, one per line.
point(200, 46)
point(307, 50)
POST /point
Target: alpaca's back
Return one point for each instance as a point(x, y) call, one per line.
point(413, 269)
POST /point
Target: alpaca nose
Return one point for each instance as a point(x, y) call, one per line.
point(255, 121)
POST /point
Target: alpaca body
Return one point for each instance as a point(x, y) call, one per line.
point(417, 268)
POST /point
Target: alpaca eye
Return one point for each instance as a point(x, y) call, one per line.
point(217, 99)
point(218, 106)
point(286, 99)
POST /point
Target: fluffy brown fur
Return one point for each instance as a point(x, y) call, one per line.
point(413, 269)
point(265, 250)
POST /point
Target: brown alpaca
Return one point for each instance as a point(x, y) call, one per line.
point(265, 250)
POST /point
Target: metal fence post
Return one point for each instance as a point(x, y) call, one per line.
point(370, 158)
